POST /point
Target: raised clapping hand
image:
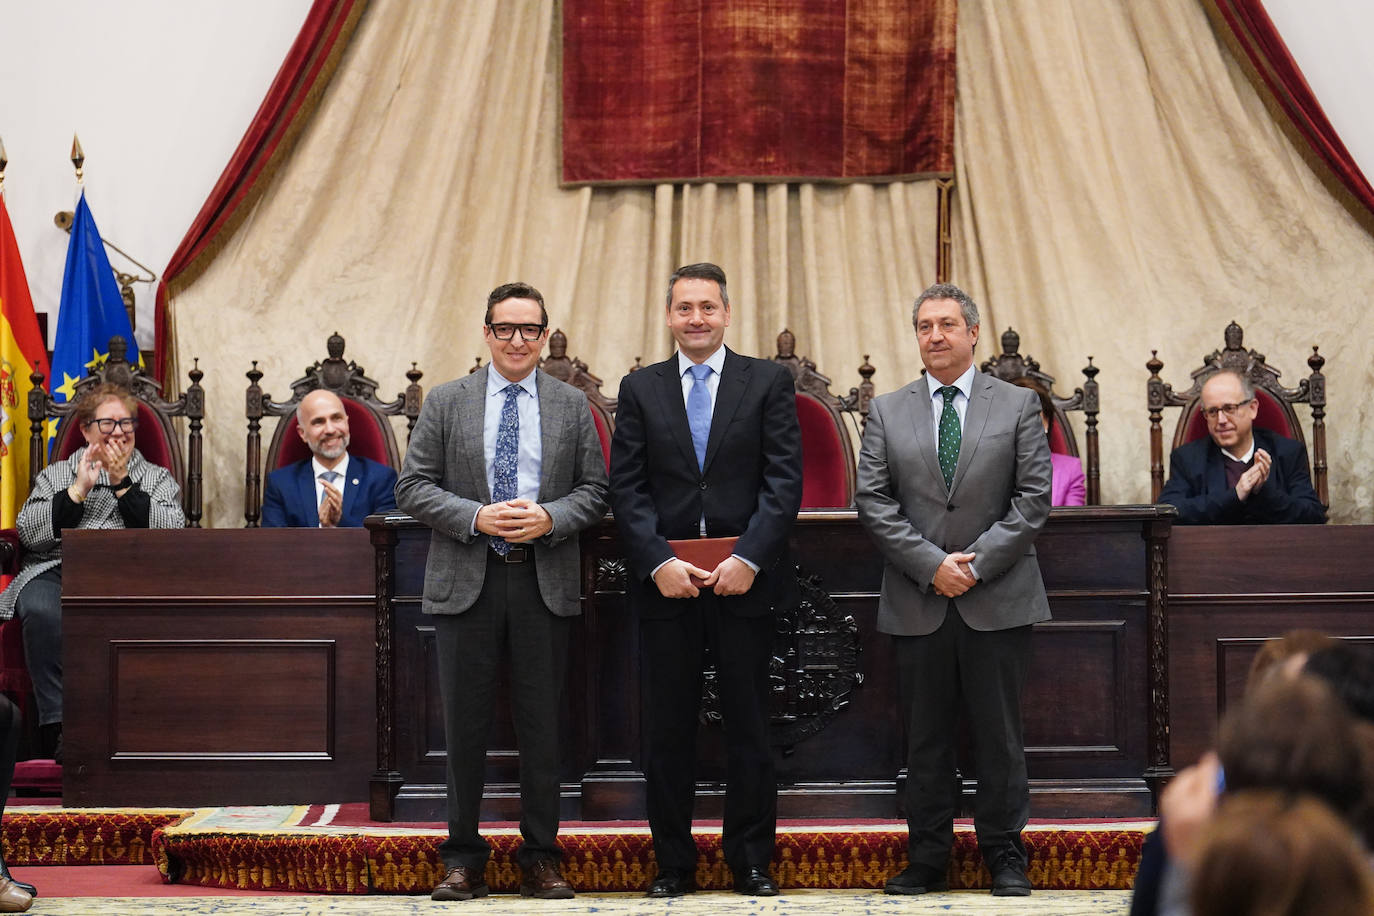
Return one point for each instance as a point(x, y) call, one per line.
point(519, 521)
point(331, 507)
point(954, 576)
point(1187, 804)
point(1255, 475)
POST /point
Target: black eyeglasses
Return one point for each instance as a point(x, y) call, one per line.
point(529, 332)
point(1230, 410)
point(107, 425)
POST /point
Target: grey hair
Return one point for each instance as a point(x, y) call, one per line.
point(1246, 386)
point(703, 271)
point(948, 291)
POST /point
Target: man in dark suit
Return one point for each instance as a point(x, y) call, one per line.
point(953, 486)
point(707, 444)
point(1239, 475)
point(505, 466)
point(331, 489)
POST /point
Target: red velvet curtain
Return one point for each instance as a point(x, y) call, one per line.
point(288, 105)
point(673, 90)
point(1254, 31)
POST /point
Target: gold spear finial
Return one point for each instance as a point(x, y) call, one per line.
point(3, 162)
point(78, 157)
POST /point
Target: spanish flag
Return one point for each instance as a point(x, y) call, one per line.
point(21, 351)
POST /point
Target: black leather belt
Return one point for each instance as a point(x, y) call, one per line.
point(516, 555)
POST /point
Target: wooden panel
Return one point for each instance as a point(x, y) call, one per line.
point(1232, 587)
point(288, 698)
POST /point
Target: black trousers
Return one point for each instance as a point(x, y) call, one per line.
point(673, 655)
point(984, 672)
point(509, 621)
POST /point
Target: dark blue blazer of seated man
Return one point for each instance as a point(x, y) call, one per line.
point(289, 499)
point(1197, 486)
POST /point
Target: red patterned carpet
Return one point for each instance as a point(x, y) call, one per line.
point(335, 849)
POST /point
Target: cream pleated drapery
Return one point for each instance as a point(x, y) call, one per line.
point(1120, 187)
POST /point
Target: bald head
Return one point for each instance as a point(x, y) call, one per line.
point(323, 425)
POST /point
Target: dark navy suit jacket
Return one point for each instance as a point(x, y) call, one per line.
point(288, 501)
point(1197, 486)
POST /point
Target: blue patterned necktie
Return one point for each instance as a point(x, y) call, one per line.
point(949, 434)
point(504, 480)
point(699, 412)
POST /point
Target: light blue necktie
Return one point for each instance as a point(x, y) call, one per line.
point(504, 478)
point(699, 412)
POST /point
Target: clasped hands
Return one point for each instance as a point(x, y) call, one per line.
point(1255, 475)
point(732, 577)
point(519, 521)
point(954, 576)
point(107, 455)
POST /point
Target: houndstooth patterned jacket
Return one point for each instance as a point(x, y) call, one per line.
point(42, 551)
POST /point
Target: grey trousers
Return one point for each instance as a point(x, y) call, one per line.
point(40, 609)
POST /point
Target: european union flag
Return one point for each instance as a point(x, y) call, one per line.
point(91, 310)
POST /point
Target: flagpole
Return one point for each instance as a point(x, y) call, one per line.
point(78, 157)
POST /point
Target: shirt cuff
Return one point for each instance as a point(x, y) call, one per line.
point(750, 563)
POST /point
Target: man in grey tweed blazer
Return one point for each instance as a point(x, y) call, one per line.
point(104, 484)
point(506, 467)
point(953, 486)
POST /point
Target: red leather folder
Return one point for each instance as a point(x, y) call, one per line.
point(703, 553)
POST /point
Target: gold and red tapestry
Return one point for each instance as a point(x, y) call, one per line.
point(681, 90)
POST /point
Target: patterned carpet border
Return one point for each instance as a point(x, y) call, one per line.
point(84, 836)
point(396, 862)
point(260, 849)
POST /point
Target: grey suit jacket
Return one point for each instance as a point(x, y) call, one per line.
point(444, 483)
point(997, 503)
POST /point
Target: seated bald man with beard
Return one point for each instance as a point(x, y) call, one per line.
point(331, 489)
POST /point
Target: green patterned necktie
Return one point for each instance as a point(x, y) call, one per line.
point(949, 434)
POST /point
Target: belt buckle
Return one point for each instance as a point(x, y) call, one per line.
point(517, 555)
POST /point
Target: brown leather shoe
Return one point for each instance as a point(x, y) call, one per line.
point(460, 883)
point(12, 899)
point(543, 880)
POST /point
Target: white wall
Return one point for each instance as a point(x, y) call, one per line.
point(160, 92)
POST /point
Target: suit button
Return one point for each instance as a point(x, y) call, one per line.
point(702, 484)
point(949, 508)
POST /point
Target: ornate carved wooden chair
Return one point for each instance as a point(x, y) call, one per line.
point(1011, 366)
point(369, 429)
point(1276, 402)
point(826, 419)
point(575, 373)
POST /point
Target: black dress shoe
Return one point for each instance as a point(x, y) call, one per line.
point(917, 879)
point(671, 884)
point(1009, 875)
point(754, 882)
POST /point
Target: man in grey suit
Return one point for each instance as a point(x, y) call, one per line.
point(506, 467)
point(953, 486)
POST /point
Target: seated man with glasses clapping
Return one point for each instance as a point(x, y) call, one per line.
point(105, 484)
point(1239, 474)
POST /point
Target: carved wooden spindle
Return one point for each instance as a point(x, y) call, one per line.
point(414, 397)
point(1090, 411)
point(1154, 392)
point(252, 482)
point(195, 414)
point(1316, 399)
